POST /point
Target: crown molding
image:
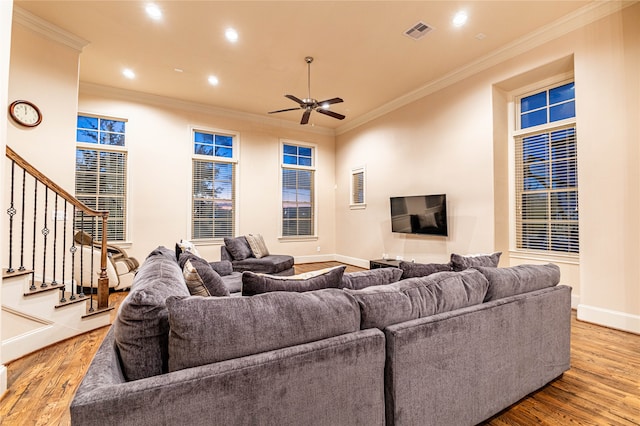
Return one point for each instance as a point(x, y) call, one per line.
point(568, 23)
point(163, 101)
point(47, 29)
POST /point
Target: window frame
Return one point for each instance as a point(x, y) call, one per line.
point(518, 133)
point(127, 238)
point(353, 205)
point(212, 159)
point(314, 198)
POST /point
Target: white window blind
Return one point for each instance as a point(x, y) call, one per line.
point(358, 187)
point(547, 191)
point(298, 191)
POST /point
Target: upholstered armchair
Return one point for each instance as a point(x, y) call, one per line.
point(120, 267)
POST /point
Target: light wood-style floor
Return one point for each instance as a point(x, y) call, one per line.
point(601, 388)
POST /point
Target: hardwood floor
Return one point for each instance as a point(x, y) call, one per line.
point(601, 388)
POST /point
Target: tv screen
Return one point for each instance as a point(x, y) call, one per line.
point(419, 214)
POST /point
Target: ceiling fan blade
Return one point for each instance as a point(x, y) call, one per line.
point(330, 113)
point(294, 99)
point(330, 101)
point(305, 116)
point(283, 110)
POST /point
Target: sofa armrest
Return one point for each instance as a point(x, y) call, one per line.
point(294, 385)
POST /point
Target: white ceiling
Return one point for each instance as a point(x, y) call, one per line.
point(360, 50)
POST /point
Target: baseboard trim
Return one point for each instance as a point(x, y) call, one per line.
point(3, 381)
point(361, 263)
point(575, 301)
point(315, 258)
point(609, 318)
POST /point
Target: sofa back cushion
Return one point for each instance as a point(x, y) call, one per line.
point(141, 327)
point(461, 262)
point(207, 330)
point(364, 279)
point(413, 270)
point(238, 247)
point(413, 298)
point(253, 283)
point(505, 282)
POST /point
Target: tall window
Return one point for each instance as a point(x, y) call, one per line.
point(213, 185)
point(298, 187)
point(547, 171)
point(358, 188)
point(101, 174)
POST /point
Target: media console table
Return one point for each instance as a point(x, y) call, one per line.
point(384, 263)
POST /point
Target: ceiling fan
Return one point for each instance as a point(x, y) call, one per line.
point(309, 104)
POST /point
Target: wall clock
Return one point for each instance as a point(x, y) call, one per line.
point(25, 113)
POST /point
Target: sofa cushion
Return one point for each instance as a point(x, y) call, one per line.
point(504, 282)
point(363, 279)
point(413, 270)
point(461, 262)
point(208, 330)
point(272, 264)
point(325, 278)
point(201, 273)
point(222, 267)
point(257, 245)
point(141, 327)
point(413, 298)
point(238, 247)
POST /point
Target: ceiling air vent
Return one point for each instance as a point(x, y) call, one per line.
point(418, 31)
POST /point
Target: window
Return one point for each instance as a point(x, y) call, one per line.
point(547, 172)
point(101, 174)
point(213, 185)
point(298, 190)
point(357, 188)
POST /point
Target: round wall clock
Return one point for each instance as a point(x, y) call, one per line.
point(25, 113)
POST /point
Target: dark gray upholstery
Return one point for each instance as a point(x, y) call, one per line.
point(505, 282)
point(202, 273)
point(273, 264)
point(207, 330)
point(141, 327)
point(364, 279)
point(464, 366)
point(253, 284)
point(413, 270)
point(461, 262)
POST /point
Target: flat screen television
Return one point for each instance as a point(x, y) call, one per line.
point(419, 214)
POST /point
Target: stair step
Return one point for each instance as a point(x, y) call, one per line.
point(39, 289)
point(68, 301)
point(15, 272)
point(97, 311)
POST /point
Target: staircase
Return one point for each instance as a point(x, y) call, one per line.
point(43, 304)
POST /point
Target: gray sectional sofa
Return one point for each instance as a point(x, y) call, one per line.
point(451, 348)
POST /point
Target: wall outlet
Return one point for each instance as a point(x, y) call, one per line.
point(318, 248)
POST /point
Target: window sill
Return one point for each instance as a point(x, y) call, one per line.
point(295, 239)
point(357, 206)
point(572, 259)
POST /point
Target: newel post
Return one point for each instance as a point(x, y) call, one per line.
point(103, 280)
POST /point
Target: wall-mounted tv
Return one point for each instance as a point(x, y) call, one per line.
point(419, 214)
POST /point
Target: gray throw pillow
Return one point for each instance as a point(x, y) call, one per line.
point(363, 279)
point(505, 282)
point(205, 330)
point(222, 267)
point(201, 273)
point(253, 284)
point(238, 247)
point(413, 270)
point(460, 262)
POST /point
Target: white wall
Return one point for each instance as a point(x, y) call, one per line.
point(452, 142)
point(159, 146)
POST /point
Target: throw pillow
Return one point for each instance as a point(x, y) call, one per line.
point(222, 267)
point(413, 270)
point(460, 262)
point(238, 247)
point(186, 247)
point(257, 245)
point(199, 273)
point(505, 282)
point(363, 279)
point(253, 284)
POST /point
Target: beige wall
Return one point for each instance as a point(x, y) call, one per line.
point(452, 142)
point(159, 146)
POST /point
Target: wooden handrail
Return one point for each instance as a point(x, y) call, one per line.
point(103, 280)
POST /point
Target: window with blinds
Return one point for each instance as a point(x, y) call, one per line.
point(357, 188)
point(298, 190)
point(101, 175)
point(546, 176)
point(213, 185)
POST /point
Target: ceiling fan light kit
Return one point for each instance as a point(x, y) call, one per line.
point(309, 104)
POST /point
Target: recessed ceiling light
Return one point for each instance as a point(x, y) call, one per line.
point(231, 35)
point(213, 80)
point(128, 73)
point(153, 11)
point(460, 19)
point(178, 70)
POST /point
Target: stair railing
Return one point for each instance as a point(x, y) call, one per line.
point(80, 210)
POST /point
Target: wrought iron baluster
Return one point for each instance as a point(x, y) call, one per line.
point(33, 246)
point(64, 254)
point(55, 238)
point(81, 287)
point(24, 182)
point(11, 211)
point(93, 228)
point(45, 233)
point(73, 250)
